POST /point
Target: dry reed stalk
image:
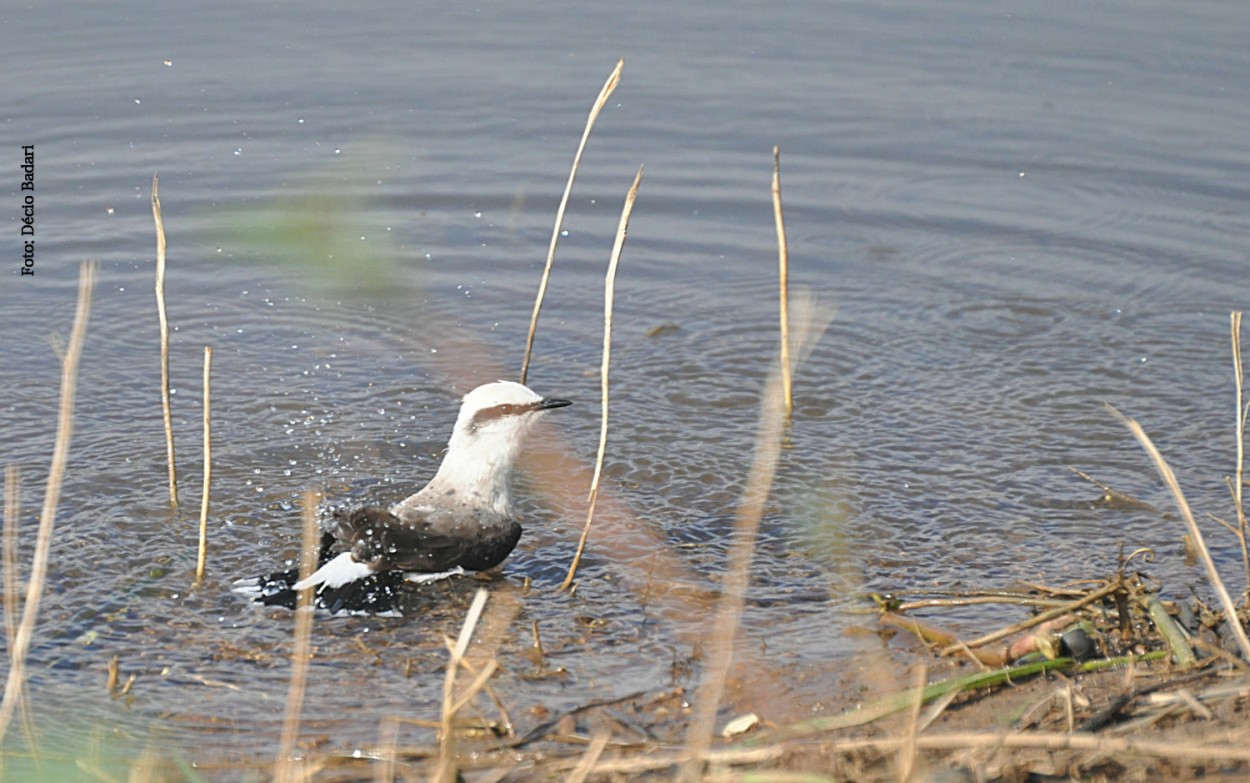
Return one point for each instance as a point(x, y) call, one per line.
point(12, 513)
point(12, 482)
point(446, 770)
point(388, 743)
point(783, 255)
point(609, 288)
point(114, 670)
point(286, 768)
point(1070, 606)
point(52, 495)
point(1243, 528)
point(613, 79)
point(1195, 534)
point(1111, 747)
point(202, 555)
point(160, 312)
point(811, 325)
point(588, 760)
point(908, 751)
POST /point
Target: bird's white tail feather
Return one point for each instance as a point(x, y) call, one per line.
point(417, 577)
point(336, 573)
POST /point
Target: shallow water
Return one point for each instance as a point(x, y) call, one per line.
point(1017, 215)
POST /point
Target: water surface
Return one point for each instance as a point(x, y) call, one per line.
point(1018, 215)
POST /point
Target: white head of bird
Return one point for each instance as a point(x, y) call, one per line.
point(493, 422)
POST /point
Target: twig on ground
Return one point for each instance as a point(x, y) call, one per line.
point(1037, 619)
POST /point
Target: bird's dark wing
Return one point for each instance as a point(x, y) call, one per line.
point(421, 544)
point(379, 538)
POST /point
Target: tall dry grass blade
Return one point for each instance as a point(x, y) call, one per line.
point(1195, 534)
point(446, 770)
point(12, 498)
point(783, 256)
point(811, 325)
point(51, 498)
point(388, 744)
point(12, 513)
point(288, 769)
point(609, 295)
point(1243, 529)
point(613, 79)
point(586, 764)
point(202, 554)
point(164, 321)
point(908, 752)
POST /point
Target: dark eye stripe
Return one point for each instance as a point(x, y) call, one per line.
point(486, 415)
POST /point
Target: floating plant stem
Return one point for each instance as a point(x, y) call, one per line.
point(160, 312)
point(609, 288)
point(51, 498)
point(613, 79)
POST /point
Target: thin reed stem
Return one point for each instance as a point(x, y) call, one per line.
point(12, 499)
point(586, 764)
point(160, 312)
point(609, 288)
point(1243, 529)
point(738, 569)
point(12, 607)
point(1195, 534)
point(51, 498)
point(783, 254)
point(287, 768)
point(613, 79)
point(446, 770)
point(202, 555)
point(907, 751)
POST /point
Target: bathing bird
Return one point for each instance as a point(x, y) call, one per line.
point(462, 520)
